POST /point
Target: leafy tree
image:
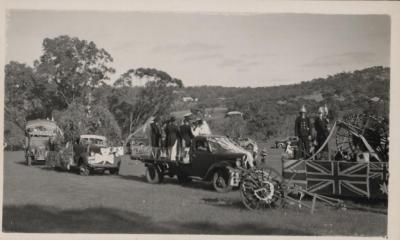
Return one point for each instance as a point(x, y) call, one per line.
point(19, 98)
point(72, 67)
point(156, 97)
point(75, 121)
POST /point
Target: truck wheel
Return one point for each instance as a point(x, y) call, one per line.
point(221, 181)
point(114, 171)
point(153, 175)
point(183, 178)
point(84, 170)
point(28, 160)
point(281, 145)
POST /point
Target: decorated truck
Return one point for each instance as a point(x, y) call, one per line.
point(39, 134)
point(90, 154)
point(210, 158)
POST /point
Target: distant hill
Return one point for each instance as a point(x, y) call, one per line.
point(271, 110)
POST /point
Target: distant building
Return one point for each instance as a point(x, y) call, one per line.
point(234, 114)
point(221, 98)
point(375, 99)
point(187, 99)
point(281, 102)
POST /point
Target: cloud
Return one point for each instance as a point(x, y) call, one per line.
point(341, 59)
point(203, 57)
point(185, 47)
point(230, 62)
point(256, 55)
point(252, 63)
point(127, 45)
point(242, 69)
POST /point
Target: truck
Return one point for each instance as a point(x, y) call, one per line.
point(38, 136)
point(210, 158)
point(90, 154)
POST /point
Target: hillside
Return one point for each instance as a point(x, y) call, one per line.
point(267, 111)
point(270, 111)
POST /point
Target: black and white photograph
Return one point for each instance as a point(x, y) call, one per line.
point(199, 123)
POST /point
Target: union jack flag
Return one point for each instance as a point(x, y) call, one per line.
point(295, 171)
point(337, 178)
point(378, 170)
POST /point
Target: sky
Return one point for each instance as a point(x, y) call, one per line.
point(232, 50)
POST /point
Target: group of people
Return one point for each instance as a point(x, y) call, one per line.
point(309, 140)
point(173, 140)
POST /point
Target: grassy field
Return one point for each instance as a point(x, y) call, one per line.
point(37, 199)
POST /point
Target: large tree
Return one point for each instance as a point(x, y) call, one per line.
point(154, 98)
point(75, 120)
point(72, 67)
point(19, 99)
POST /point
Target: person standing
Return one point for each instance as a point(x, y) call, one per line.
point(172, 138)
point(201, 128)
point(303, 131)
point(155, 137)
point(186, 139)
point(322, 130)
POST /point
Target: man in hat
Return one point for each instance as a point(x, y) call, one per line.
point(155, 136)
point(302, 130)
point(172, 137)
point(322, 129)
point(186, 137)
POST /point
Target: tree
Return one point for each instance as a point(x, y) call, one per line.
point(125, 80)
point(75, 121)
point(71, 67)
point(19, 99)
point(154, 98)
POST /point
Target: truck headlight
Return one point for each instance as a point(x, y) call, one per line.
point(238, 162)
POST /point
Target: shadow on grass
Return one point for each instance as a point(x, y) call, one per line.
point(43, 219)
point(172, 181)
point(34, 218)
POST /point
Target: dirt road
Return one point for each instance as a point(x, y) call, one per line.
point(37, 199)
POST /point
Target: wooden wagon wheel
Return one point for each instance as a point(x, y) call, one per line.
point(261, 188)
point(373, 129)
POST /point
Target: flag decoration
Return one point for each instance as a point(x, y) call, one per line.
point(379, 179)
point(295, 171)
point(338, 178)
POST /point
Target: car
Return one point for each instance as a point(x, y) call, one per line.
point(283, 142)
point(211, 158)
point(38, 134)
point(91, 154)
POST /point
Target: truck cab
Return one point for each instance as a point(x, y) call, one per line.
point(38, 136)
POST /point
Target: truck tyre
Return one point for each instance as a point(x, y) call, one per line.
point(153, 175)
point(221, 181)
point(84, 170)
point(183, 178)
point(114, 171)
point(281, 145)
point(28, 160)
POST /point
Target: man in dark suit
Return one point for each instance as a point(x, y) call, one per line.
point(303, 131)
point(186, 139)
point(321, 128)
point(172, 138)
point(186, 133)
point(155, 137)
